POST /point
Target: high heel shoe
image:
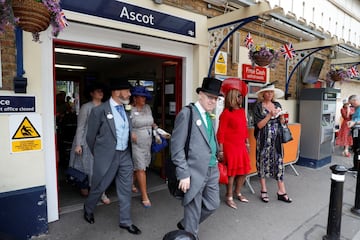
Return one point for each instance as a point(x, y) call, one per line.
point(264, 196)
point(242, 198)
point(346, 153)
point(105, 199)
point(230, 202)
point(284, 197)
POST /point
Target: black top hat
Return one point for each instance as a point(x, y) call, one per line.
point(210, 85)
point(119, 84)
point(179, 235)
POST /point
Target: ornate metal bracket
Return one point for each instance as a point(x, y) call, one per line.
point(292, 65)
point(234, 26)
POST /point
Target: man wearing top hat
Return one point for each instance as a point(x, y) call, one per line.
point(198, 174)
point(108, 138)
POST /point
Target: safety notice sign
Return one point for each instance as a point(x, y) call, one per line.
point(25, 132)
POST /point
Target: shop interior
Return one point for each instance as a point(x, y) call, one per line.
point(76, 70)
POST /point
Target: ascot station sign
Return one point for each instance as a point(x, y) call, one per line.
point(255, 74)
point(124, 12)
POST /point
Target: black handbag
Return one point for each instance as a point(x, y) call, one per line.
point(170, 168)
point(77, 178)
point(286, 134)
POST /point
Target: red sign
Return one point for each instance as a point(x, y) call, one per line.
point(256, 74)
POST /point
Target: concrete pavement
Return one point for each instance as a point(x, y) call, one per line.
point(305, 218)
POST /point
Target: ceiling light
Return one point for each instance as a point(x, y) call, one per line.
point(87, 53)
point(70, 67)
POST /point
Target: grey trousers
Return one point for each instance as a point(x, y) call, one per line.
point(121, 169)
point(204, 203)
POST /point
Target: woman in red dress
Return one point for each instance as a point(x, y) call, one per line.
point(232, 136)
point(344, 137)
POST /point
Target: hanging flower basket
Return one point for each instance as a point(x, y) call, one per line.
point(337, 74)
point(33, 16)
point(262, 60)
point(263, 56)
point(336, 77)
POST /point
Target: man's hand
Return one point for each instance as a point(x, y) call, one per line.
point(184, 184)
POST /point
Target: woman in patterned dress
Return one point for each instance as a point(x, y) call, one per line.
point(269, 150)
point(141, 137)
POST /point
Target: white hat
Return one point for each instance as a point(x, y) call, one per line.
point(278, 93)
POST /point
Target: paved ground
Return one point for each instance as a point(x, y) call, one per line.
point(306, 218)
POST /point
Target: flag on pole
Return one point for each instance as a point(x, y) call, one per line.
point(62, 20)
point(353, 71)
point(248, 41)
point(288, 51)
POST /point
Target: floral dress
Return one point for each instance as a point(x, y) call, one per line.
point(344, 135)
point(269, 151)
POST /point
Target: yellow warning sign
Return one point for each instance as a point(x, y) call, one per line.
point(221, 58)
point(26, 145)
point(221, 63)
point(26, 130)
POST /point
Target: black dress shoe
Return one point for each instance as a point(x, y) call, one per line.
point(180, 226)
point(89, 217)
point(353, 169)
point(132, 229)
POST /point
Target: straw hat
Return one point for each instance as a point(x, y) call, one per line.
point(278, 93)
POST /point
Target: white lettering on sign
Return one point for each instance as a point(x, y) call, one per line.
point(4, 102)
point(139, 17)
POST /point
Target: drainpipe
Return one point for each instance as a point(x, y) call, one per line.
point(20, 82)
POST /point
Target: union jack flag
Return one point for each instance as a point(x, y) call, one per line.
point(288, 51)
point(62, 20)
point(353, 71)
point(248, 41)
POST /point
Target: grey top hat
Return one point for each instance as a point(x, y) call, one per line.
point(210, 85)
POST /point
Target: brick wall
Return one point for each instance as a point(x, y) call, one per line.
point(260, 35)
point(8, 59)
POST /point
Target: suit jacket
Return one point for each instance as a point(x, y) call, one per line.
point(101, 139)
point(199, 155)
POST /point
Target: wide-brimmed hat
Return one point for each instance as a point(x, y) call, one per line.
point(278, 93)
point(210, 85)
point(141, 91)
point(234, 83)
point(119, 84)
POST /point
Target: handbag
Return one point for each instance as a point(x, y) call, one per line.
point(170, 167)
point(172, 181)
point(77, 178)
point(223, 177)
point(286, 134)
point(157, 147)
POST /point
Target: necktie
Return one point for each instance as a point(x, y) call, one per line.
point(208, 122)
point(120, 109)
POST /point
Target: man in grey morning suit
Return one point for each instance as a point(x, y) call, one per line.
point(108, 138)
point(198, 174)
